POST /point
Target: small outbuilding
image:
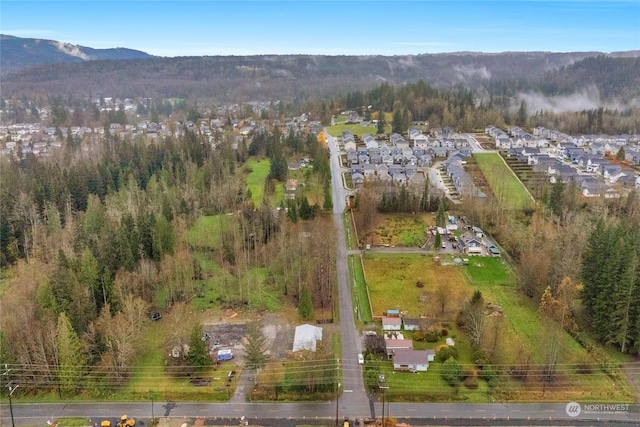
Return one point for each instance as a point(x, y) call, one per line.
point(306, 337)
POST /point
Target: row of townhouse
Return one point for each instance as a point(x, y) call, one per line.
point(398, 160)
point(594, 176)
point(400, 150)
point(397, 174)
point(587, 139)
point(461, 180)
point(515, 138)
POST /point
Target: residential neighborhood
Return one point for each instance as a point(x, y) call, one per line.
point(585, 160)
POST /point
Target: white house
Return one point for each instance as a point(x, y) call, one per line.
point(394, 345)
point(410, 360)
point(391, 323)
point(411, 323)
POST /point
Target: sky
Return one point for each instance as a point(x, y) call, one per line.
point(206, 27)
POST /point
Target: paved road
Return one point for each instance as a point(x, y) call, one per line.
point(38, 414)
point(353, 395)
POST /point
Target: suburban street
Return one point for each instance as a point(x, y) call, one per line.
point(353, 393)
point(353, 401)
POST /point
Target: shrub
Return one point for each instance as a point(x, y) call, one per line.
point(471, 382)
point(480, 358)
point(445, 353)
point(452, 372)
point(419, 335)
point(444, 332)
point(431, 337)
point(583, 368)
point(489, 375)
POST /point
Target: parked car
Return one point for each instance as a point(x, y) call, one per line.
point(360, 359)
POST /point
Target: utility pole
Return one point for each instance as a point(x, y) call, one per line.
point(382, 385)
point(11, 388)
point(337, 388)
point(337, 397)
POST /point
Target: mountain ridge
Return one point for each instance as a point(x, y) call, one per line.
point(299, 76)
point(17, 53)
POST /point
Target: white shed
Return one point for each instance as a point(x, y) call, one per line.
point(306, 337)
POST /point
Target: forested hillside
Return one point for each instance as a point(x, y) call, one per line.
point(17, 53)
point(290, 77)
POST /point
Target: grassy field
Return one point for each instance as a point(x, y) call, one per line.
point(360, 295)
point(206, 233)
point(402, 230)
point(393, 281)
point(392, 284)
point(508, 190)
point(336, 130)
point(258, 170)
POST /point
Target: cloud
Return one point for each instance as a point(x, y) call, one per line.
point(586, 99)
point(465, 72)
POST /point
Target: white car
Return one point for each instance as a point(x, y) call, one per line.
point(360, 359)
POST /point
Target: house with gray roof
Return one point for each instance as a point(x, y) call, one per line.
point(357, 179)
point(409, 360)
point(632, 155)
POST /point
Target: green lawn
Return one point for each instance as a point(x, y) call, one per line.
point(360, 295)
point(258, 172)
point(428, 386)
point(72, 422)
point(336, 130)
point(392, 280)
point(350, 235)
point(489, 270)
point(508, 190)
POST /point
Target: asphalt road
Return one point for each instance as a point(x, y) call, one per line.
point(464, 413)
point(352, 387)
point(353, 402)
